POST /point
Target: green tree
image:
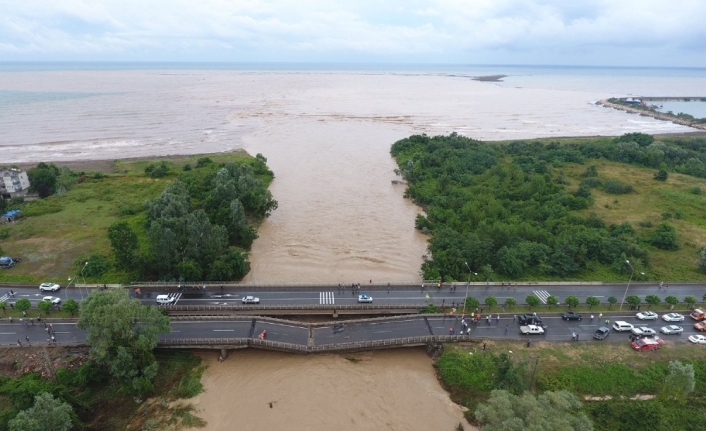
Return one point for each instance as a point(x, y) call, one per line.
point(690, 301)
point(665, 237)
point(43, 179)
point(45, 306)
point(550, 411)
point(592, 301)
point(125, 246)
point(122, 334)
point(510, 302)
point(23, 305)
point(652, 300)
point(3, 307)
point(701, 262)
point(633, 300)
point(552, 301)
point(572, 301)
point(680, 381)
point(671, 300)
point(47, 414)
point(612, 300)
point(491, 301)
point(96, 267)
point(532, 301)
point(71, 306)
point(472, 303)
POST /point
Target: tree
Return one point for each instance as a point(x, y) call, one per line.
point(701, 262)
point(532, 301)
point(491, 301)
point(45, 306)
point(124, 242)
point(572, 301)
point(3, 306)
point(612, 300)
point(550, 411)
point(472, 303)
point(43, 179)
point(23, 305)
point(665, 237)
point(652, 300)
point(680, 381)
point(690, 301)
point(510, 302)
point(47, 414)
point(71, 306)
point(592, 301)
point(633, 300)
point(671, 300)
point(122, 334)
point(661, 175)
point(552, 301)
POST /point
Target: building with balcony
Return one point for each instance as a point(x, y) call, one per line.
point(13, 182)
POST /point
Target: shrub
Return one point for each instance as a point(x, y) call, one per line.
point(696, 190)
point(187, 167)
point(98, 176)
point(96, 266)
point(591, 171)
point(203, 161)
point(590, 183)
point(646, 223)
point(665, 237)
point(666, 215)
point(190, 385)
point(678, 214)
point(157, 171)
point(615, 187)
point(661, 175)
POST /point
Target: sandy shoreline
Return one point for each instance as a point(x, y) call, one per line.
point(382, 390)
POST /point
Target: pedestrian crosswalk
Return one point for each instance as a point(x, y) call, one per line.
point(326, 297)
point(542, 295)
point(5, 297)
point(176, 296)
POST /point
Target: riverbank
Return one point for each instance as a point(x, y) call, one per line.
point(381, 390)
point(654, 114)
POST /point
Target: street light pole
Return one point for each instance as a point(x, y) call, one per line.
point(84, 281)
point(467, 284)
point(628, 286)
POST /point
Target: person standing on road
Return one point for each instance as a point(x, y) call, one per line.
point(426, 298)
point(600, 316)
point(591, 318)
point(577, 336)
point(506, 327)
point(573, 336)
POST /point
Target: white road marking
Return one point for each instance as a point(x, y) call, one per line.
point(379, 332)
point(224, 330)
point(8, 333)
point(542, 295)
point(327, 298)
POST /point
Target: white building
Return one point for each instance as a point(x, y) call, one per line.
point(13, 182)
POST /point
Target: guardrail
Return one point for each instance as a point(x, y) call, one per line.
point(236, 307)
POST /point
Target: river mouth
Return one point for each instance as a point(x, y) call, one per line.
point(381, 390)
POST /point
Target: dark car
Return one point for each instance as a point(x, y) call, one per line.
point(530, 319)
point(570, 315)
point(601, 333)
point(6, 262)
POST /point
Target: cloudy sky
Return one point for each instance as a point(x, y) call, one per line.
point(578, 32)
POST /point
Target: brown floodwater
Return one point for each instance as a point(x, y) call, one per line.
point(384, 390)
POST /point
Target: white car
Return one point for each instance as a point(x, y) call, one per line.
point(165, 299)
point(647, 315)
point(643, 332)
point(365, 298)
point(697, 339)
point(671, 329)
point(621, 326)
point(53, 299)
point(673, 317)
point(250, 300)
point(49, 287)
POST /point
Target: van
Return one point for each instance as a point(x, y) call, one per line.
point(698, 314)
point(164, 299)
point(621, 326)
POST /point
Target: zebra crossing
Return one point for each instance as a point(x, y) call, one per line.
point(542, 295)
point(326, 298)
point(176, 296)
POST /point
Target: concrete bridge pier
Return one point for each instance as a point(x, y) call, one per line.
point(224, 355)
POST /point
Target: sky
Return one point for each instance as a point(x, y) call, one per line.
point(551, 32)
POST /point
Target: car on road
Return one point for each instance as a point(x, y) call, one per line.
point(250, 300)
point(671, 329)
point(365, 299)
point(529, 319)
point(621, 326)
point(601, 333)
point(531, 329)
point(165, 299)
point(49, 287)
point(53, 299)
point(697, 339)
point(646, 344)
point(643, 332)
point(697, 314)
point(673, 317)
point(570, 315)
point(647, 315)
point(700, 326)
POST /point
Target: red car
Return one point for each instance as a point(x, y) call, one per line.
point(644, 344)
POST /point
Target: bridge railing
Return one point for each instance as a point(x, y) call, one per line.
point(290, 307)
point(255, 342)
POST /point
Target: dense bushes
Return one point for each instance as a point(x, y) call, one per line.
point(498, 207)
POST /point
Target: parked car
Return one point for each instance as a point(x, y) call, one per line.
point(697, 339)
point(529, 319)
point(622, 326)
point(570, 315)
point(671, 329)
point(601, 333)
point(647, 315)
point(365, 298)
point(646, 344)
point(49, 287)
point(250, 300)
point(165, 299)
point(531, 329)
point(53, 299)
point(643, 332)
point(673, 317)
